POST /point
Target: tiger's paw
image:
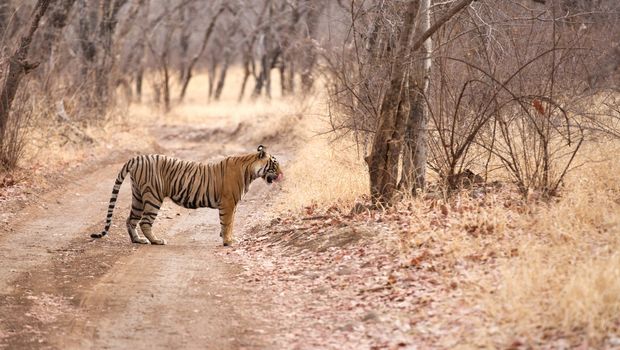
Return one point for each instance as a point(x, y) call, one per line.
point(140, 240)
point(159, 242)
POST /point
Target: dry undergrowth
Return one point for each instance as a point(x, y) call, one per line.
point(55, 148)
point(531, 273)
point(566, 278)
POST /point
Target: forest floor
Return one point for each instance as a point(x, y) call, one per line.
point(424, 274)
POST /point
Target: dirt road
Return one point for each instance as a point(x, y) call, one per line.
point(59, 289)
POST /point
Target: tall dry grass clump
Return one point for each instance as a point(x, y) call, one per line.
point(567, 276)
point(324, 174)
point(323, 171)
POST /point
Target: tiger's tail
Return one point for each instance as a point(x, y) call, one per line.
point(117, 186)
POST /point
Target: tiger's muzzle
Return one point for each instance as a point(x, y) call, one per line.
point(273, 177)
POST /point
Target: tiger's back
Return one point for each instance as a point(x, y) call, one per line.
point(188, 184)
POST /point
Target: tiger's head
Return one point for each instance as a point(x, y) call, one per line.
point(267, 166)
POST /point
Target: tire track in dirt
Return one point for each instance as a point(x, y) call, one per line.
point(59, 289)
point(50, 224)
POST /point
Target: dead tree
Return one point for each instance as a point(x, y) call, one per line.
point(107, 28)
point(162, 59)
point(415, 136)
point(187, 75)
point(387, 146)
point(19, 66)
point(59, 17)
point(97, 27)
point(312, 13)
point(227, 59)
point(269, 49)
point(248, 47)
point(59, 12)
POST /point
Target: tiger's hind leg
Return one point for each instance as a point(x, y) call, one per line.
point(151, 207)
point(135, 214)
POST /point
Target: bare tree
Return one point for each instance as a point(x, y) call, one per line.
point(383, 161)
point(18, 67)
point(187, 73)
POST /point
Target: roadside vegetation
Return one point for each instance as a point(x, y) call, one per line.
point(457, 191)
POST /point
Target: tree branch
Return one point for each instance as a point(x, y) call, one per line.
point(419, 40)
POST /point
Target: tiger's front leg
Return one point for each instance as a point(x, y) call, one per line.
point(227, 216)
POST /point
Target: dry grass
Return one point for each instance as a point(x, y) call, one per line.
point(322, 170)
point(539, 271)
point(50, 143)
point(566, 277)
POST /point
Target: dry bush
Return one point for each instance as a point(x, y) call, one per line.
point(512, 88)
point(566, 277)
point(14, 141)
point(515, 90)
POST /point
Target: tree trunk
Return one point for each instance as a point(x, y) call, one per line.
point(166, 84)
point(187, 75)
point(387, 144)
point(262, 76)
point(246, 76)
point(282, 71)
point(388, 141)
point(184, 37)
point(414, 155)
point(19, 66)
point(88, 54)
point(313, 11)
point(222, 78)
point(290, 78)
point(106, 61)
point(212, 71)
point(139, 76)
point(58, 15)
point(5, 13)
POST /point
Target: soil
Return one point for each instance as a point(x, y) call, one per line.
point(61, 289)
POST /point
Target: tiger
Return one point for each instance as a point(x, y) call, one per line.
point(192, 185)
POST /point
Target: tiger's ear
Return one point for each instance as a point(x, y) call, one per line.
point(261, 151)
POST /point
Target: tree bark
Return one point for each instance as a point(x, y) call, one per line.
point(106, 62)
point(389, 137)
point(5, 13)
point(19, 66)
point(166, 84)
point(211, 74)
point(387, 143)
point(415, 148)
point(219, 87)
point(246, 76)
point(58, 18)
point(313, 11)
point(139, 76)
point(262, 77)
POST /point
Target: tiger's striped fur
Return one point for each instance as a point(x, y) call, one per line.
point(189, 184)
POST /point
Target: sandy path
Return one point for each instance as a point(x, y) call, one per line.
point(59, 289)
